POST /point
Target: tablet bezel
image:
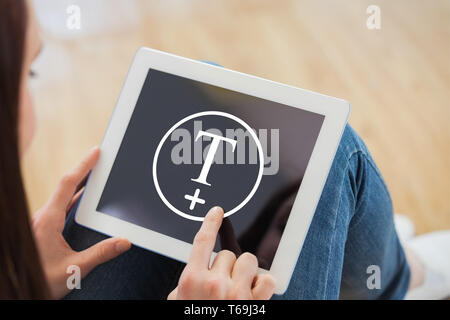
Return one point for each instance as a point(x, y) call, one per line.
point(336, 113)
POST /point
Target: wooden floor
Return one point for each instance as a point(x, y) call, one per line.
point(396, 78)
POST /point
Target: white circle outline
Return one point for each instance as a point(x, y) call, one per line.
point(197, 115)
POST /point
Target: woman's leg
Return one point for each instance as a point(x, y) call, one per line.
point(136, 274)
point(352, 235)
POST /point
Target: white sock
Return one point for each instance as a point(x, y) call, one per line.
point(404, 226)
point(433, 249)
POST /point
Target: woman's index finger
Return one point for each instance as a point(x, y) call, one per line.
point(205, 239)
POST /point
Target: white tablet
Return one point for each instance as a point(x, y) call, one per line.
point(186, 135)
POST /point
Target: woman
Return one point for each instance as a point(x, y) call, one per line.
point(36, 268)
point(352, 229)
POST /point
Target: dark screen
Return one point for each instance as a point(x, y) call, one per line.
point(287, 136)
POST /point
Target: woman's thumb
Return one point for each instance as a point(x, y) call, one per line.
point(101, 253)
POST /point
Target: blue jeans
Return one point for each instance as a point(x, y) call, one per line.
point(352, 230)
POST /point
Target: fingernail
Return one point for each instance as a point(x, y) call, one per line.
point(122, 246)
point(216, 210)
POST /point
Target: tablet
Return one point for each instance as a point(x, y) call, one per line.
point(186, 136)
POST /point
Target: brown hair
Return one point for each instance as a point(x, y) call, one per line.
point(21, 274)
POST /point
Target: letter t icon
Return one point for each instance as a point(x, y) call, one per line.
point(211, 153)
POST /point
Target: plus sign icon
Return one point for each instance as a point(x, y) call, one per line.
point(206, 159)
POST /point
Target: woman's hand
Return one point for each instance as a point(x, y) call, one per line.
point(48, 224)
point(228, 277)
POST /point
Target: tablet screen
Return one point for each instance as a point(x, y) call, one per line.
point(190, 146)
